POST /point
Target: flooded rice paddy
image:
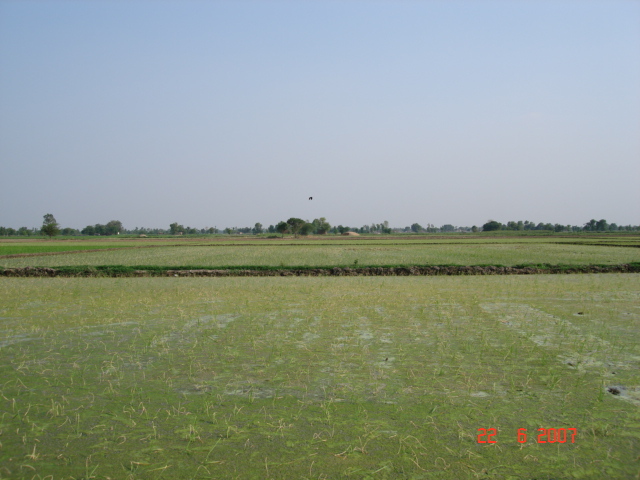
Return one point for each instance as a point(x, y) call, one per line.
point(364, 377)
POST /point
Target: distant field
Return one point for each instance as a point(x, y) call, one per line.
point(384, 378)
point(343, 254)
point(29, 249)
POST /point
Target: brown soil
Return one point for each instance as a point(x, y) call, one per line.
point(335, 271)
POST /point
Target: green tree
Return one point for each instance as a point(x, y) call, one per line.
point(491, 225)
point(602, 225)
point(50, 226)
point(88, 230)
point(416, 227)
point(258, 228)
point(591, 225)
point(114, 227)
point(306, 229)
point(175, 228)
point(282, 228)
point(295, 224)
point(320, 226)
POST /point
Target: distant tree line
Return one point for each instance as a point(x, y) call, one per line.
point(177, 229)
point(49, 228)
point(591, 226)
point(297, 226)
point(430, 228)
point(114, 227)
point(319, 226)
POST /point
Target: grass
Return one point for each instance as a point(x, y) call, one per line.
point(326, 254)
point(33, 248)
point(365, 377)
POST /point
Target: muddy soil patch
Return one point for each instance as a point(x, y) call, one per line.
point(121, 271)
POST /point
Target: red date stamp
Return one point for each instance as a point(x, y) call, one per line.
point(545, 435)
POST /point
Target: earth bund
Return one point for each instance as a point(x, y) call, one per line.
point(114, 271)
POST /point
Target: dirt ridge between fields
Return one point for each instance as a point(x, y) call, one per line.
point(320, 272)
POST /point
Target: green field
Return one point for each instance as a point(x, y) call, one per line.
point(319, 377)
point(42, 247)
point(343, 253)
point(326, 377)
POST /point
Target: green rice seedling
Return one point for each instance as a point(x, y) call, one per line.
point(368, 377)
point(508, 253)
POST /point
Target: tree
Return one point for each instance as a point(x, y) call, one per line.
point(491, 225)
point(258, 228)
point(416, 227)
point(320, 226)
point(306, 229)
point(175, 229)
point(602, 225)
point(282, 228)
point(114, 227)
point(88, 230)
point(50, 226)
point(591, 225)
point(295, 224)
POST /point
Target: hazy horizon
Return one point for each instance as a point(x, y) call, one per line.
point(230, 113)
point(221, 228)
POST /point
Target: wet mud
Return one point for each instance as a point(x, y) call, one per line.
point(319, 272)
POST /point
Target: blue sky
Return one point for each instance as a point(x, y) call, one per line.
point(228, 113)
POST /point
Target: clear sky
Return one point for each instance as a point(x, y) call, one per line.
point(227, 113)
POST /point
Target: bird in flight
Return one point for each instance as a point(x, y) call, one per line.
point(310, 198)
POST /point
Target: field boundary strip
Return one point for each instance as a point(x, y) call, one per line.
point(266, 271)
